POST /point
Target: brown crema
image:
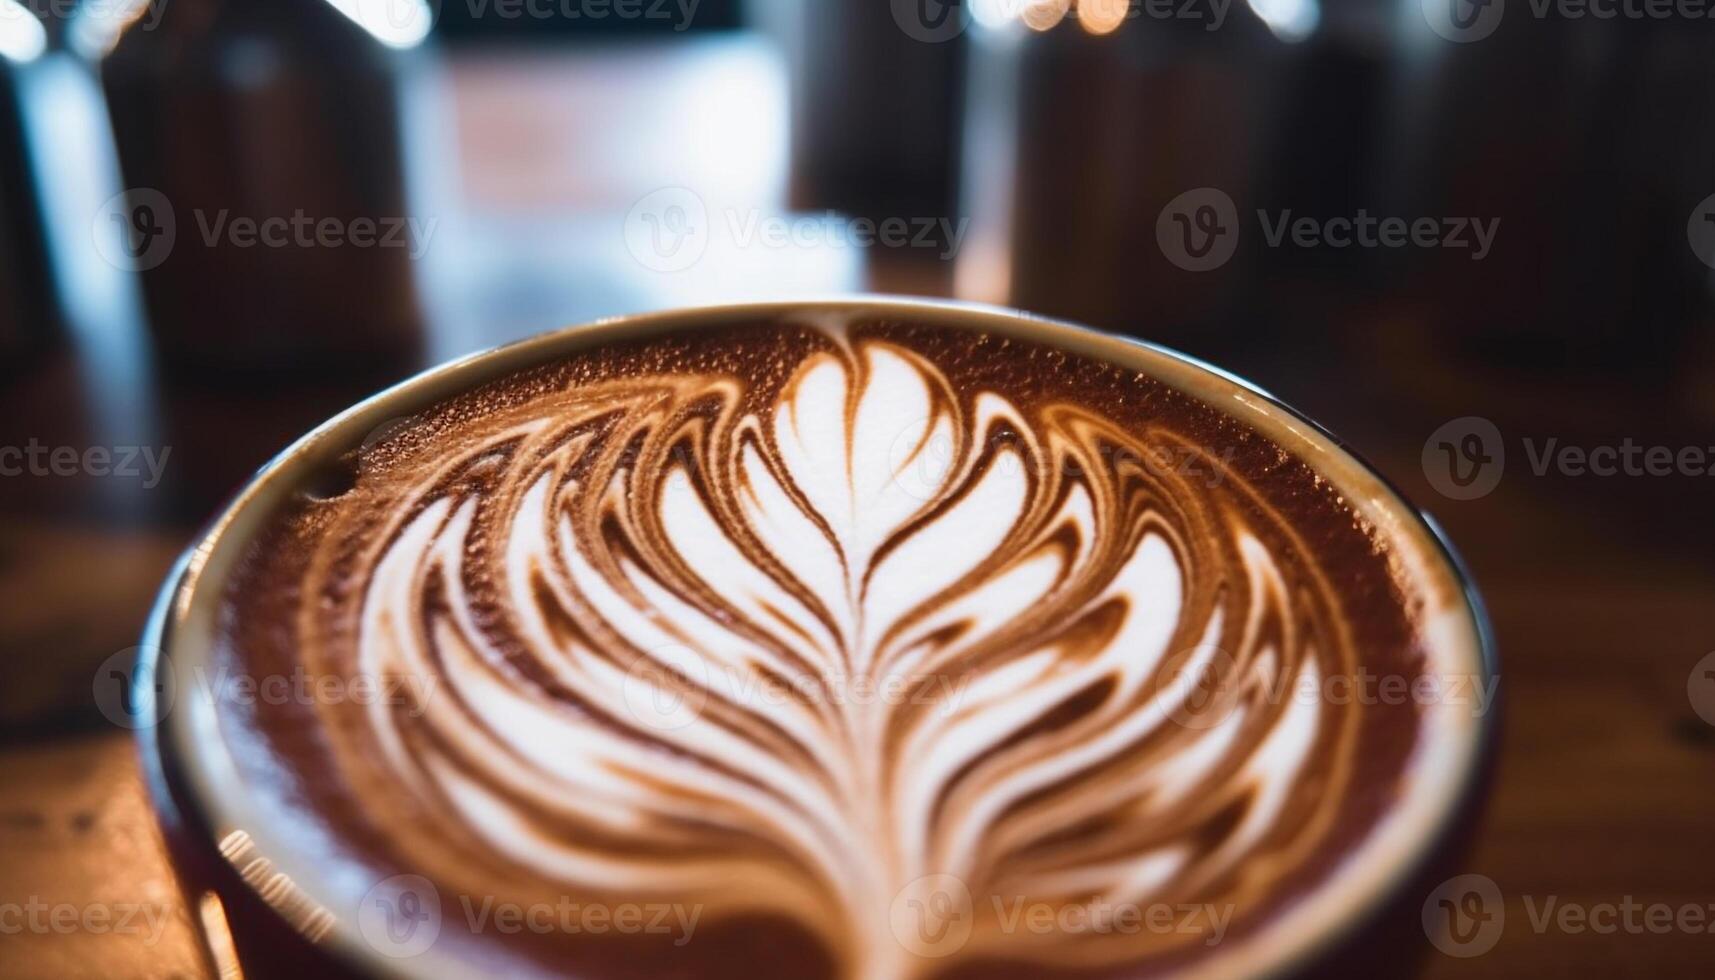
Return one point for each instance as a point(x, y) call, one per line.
point(875, 649)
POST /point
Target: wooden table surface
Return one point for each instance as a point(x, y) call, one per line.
point(1602, 601)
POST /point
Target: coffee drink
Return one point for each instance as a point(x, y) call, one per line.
point(856, 642)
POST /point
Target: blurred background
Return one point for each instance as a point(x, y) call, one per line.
point(1474, 238)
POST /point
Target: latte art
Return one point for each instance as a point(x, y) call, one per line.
point(862, 636)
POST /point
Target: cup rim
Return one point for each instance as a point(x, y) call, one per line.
point(176, 749)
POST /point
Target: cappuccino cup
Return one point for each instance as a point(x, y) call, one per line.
point(867, 638)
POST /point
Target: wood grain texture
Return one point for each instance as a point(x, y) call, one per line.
point(86, 888)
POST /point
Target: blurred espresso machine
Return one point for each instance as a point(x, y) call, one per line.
point(1126, 164)
point(261, 147)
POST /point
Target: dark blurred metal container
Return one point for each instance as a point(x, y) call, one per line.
point(29, 316)
point(875, 103)
point(1593, 143)
point(1114, 150)
point(228, 112)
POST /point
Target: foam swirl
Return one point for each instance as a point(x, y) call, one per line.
point(793, 643)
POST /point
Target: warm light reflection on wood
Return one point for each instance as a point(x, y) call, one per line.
point(217, 937)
